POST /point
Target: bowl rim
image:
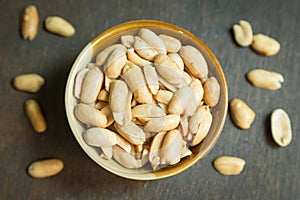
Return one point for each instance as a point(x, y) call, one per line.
point(109, 33)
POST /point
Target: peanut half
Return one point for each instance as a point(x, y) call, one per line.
point(30, 22)
point(45, 168)
point(35, 115)
point(265, 79)
point(59, 26)
point(265, 45)
point(281, 127)
point(228, 165)
point(243, 33)
point(241, 114)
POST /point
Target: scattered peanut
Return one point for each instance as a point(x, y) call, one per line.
point(281, 127)
point(59, 26)
point(45, 168)
point(30, 22)
point(265, 79)
point(153, 103)
point(265, 45)
point(243, 33)
point(35, 115)
point(228, 165)
point(28, 82)
point(241, 114)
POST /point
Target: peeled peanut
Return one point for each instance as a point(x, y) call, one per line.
point(115, 62)
point(243, 33)
point(265, 45)
point(78, 81)
point(103, 55)
point(228, 165)
point(281, 127)
point(194, 61)
point(151, 78)
point(134, 78)
point(59, 26)
point(177, 59)
point(136, 59)
point(211, 91)
point(169, 70)
point(99, 137)
point(45, 168)
point(131, 132)
point(89, 115)
point(183, 102)
point(171, 147)
point(172, 44)
point(35, 115)
point(28, 82)
point(198, 90)
point(241, 114)
point(200, 124)
point(143, 49)
point(265, 79)
point(30, 22)
point(147, 111)
point(127, 41)
point(164, 96)
point(155, 149)
point(125, 158)
point(162, 124)
point(152, 40)
point(91, 85)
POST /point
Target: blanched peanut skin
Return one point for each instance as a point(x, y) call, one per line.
point(45, 168)
point(35, 116)
point(30, 21)
point(28, 82)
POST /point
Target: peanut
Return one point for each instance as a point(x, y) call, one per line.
point(265, 45)
point(265, 79)
point(241, 114)
point(45, 168)
point(30, 22)
point(243, 33)
point(35, 115)
point(228, 165)
point(28, 82)
point(281, 127)
point(59, 26)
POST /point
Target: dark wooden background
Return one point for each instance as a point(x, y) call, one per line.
point(271, 172)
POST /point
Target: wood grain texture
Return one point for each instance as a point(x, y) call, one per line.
point(271, 172)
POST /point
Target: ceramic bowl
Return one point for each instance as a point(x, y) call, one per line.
point(112, 36)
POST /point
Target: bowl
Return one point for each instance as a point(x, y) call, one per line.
point(112, 36)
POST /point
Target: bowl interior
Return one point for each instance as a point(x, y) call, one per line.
point(112, 36)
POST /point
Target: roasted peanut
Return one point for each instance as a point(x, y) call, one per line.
point(241, 114)
point(265, 79)
point(30, 22)
point(228, 165)
point(28, 82)
point(211, 91)
point(59, 26)
point(243, 33)
point(45, 168)
point(265, 45)
point(35, 115)
point(281, 127)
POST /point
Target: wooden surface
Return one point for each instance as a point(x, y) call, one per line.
point(271, 172)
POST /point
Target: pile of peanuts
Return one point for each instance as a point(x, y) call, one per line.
point(146, 99)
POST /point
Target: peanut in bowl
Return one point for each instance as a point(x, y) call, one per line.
point(146, 100)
